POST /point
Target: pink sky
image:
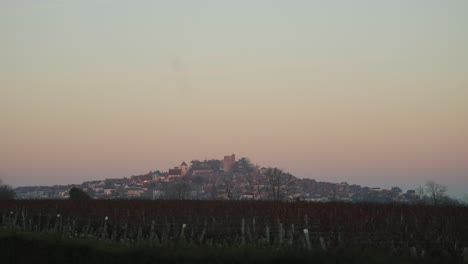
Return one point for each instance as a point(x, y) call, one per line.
point(369, 93)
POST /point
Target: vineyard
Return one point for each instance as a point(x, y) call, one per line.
point(400, 230)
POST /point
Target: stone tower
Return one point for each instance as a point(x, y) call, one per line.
point(229, 162)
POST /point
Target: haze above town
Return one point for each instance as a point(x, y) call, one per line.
point(369, 92)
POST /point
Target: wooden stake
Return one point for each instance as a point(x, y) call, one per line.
point(307, 239)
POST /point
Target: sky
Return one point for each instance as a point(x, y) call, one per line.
point(369, 92)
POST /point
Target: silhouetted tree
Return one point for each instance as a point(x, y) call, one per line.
point(421, 193)
point(243, 165)
point(464, 200)
point(435, 191)
point(215, 165)
point(214, 191)
point(196, 163)
point(6, 192)
point(396, 190)
point(78, 194)
point(251, 184)
point(179, 189)
point(198, 180)
point(278, 183)
point(227, 184)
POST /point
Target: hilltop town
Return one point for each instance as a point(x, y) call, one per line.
point(226, 179)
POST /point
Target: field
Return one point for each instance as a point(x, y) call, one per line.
point(258, 231)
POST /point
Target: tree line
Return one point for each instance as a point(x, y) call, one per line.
point(6, 192)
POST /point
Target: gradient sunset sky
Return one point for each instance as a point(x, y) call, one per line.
point(370, 92)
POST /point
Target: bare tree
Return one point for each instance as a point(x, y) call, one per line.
point(228, 184)
point(465, 199)
point(214, 191)
point(250, 184)
point(420, 192)
point(278, 183)
point(178, 189)
point(6, 192)
point(182, 188)
point(246, 169)
point(244, 165)
point(78, 194)
point(435, 191)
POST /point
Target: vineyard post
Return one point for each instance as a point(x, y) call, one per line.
point(67, 227)
point(46, 228)
point(165, 234)
point(267, 234)
point(340, 239)
point(153, 234)
point(254, 230)
point(307, 239)
point(125, 233)
point(24, 219)
point(465, 254)
point(10, 219)
point(392, 246)
point(86, 228)
point(340, 236)
point(73, 227)
point(202, 236)
point(280, 233)
point(290, 237)
point(15, 218)
point(242, 232)
point(38, 226)
point(114, 232)
point(60, 222)
point(57, 223)
point(413, 252)
point(182, 236)
point(249, 234)
point(104, 229)
point(192, 234)
point(322, 244)
point(139, 235)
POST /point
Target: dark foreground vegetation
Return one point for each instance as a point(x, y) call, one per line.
point(138, 231)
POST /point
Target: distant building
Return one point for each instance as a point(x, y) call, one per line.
point(228, 163)
point(157, 176)
point(184, 168)
point(142, 178)
point(176, 172)
point(134, 192)
point(113, 181)
point(180, 171)
point(201, 169)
